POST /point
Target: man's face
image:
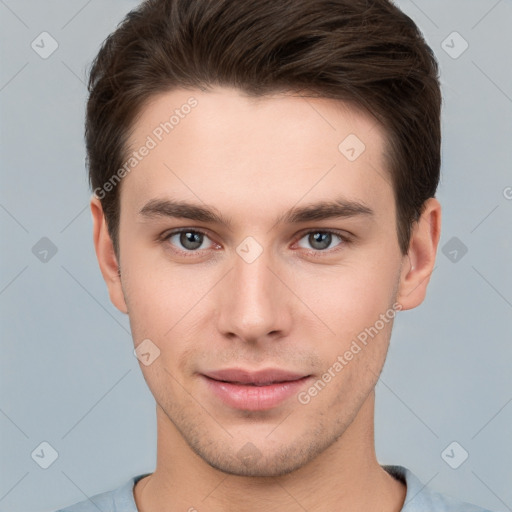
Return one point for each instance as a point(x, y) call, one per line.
point(265, 291)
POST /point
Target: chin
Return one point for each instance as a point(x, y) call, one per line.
point(270, 461)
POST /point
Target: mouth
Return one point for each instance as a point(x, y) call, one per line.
point(260, 390)
point(255, 378)
point(255, 383)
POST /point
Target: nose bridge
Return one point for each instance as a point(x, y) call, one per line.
point(252, 300)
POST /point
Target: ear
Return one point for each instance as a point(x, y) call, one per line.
point(106, 256)
point(419, 262)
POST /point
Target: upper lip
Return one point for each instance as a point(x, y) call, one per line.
point(266, 376)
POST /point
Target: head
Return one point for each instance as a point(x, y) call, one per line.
point(254, 130)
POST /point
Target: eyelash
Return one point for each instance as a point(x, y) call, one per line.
point(345, 240)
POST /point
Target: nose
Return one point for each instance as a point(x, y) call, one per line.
point(255, 305)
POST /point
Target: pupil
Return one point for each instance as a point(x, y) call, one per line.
point(318, 237)
point(191, 240)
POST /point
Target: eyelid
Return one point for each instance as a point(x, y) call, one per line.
point(345, 235)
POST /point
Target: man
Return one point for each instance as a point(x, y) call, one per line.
point(264, 179)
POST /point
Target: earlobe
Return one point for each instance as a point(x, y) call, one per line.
point(106, 256)
point(420, 259)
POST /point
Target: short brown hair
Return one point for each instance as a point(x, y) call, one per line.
point(365, 52)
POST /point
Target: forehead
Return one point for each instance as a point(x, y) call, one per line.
point(221, 145)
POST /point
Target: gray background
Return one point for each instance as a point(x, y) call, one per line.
point(68, 374)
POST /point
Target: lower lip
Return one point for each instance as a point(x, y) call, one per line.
point(255, 398)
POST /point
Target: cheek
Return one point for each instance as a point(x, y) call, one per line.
point(349, 298)
point(354, 355)
point(149, 293)
point(164, 299)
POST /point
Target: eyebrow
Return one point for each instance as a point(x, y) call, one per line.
point(323, 210)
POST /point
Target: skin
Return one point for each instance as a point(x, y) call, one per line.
point(252, 160)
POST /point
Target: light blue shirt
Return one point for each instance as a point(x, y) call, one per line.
point(419, 498)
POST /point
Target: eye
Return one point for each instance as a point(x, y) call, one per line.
point(320, 240)
point(192, 241)
point(187, 240)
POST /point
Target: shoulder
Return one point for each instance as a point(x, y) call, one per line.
point(421, 498)
point(117, 500)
